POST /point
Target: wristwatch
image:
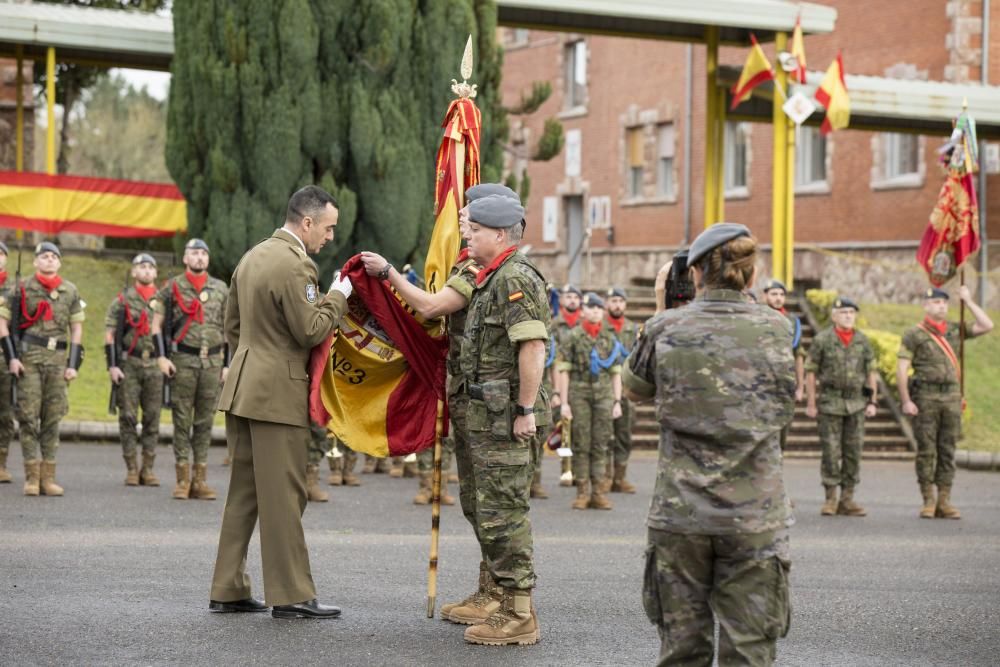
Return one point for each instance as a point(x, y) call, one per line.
point(522, 411)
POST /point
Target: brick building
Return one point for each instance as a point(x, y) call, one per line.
point(629, 107)
point(8, 112)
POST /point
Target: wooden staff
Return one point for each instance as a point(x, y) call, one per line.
point(432, 566)
point(961, 341)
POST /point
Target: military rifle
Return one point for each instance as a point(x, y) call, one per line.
point(15, 323)
point(168, 336)
point(115, 353)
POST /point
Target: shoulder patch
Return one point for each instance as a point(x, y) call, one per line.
point(516, 296)
point(311, 293)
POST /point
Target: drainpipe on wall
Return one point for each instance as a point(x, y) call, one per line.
point(984, 261)
point(688, 103)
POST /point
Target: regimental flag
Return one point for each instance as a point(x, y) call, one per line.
point(51, 204)
point(799, 51)
point(456, 170)
point(377, 382)
point(832, 94)
point(756, 71)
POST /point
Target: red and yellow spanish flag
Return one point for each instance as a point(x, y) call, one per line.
point(952, 233)
point(756, 71)
point(799, 51)
point(832, 94)
point(58, 203)
point(456, 170)
point(377, 382)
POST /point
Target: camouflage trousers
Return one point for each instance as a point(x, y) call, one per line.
point(194, 393)
point(842, 437)
point(425, 459)
point(937, 428)
point(319, 444)
point(41, 403)
point(621, 439)
point(741, 579)
point(592, 430)
point(459, 437)
point(784, 436)
point(141, 388)
point(6, 412)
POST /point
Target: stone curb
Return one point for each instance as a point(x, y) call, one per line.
point(973, 460)
point(108, 431)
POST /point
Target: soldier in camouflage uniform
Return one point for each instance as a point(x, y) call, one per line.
point(843, 361)
point(342, 467)
point(133, 368)
point(197, 365)
point(6, 409)
point(567, 319)
point(318, 449)
point(425, 468)
point(933, 397)
point(722, 374)
point(775, 293)
point(627, 333)
point(50, 309)
point(590, 383)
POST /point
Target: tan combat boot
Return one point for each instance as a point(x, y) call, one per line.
point(336, 477)
point(599, 499)
point(482, 604)
point(199, 483)
point(227, 461)
point(945, 510)
point(396, 471)
point(315, 494)
point(423, 496)
point(31, 477)
point(536, 486)
point(131, 471)
point(350, 479)
point(446, 498)
point(515, 622)
point(582, 495)
point(410, 469)
point(847, 506)
point(146, 475)
point(453, 477)
point(619, 484)
point(5, 477)
point(830, 506)
point(566, 470)
point(370, 465)
point(485, 583)
point(48, 484)
point(930, 502)
point(183, 487)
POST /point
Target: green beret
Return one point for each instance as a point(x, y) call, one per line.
point(487, 189)
point(844, 302)
point(592, 300)
point(936, 293)
point(47, 246)
point(495, 211)
point(712, 238)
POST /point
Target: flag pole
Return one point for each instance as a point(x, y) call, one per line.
point(432, 566)
point(961, 341)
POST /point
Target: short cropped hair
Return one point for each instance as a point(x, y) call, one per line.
point(308, 202)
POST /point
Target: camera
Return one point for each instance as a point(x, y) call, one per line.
point(679, 288)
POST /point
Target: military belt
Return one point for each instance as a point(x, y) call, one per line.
point(50, 344)
point(204, 351)
point(145, 355)
point(940, 387)
point(842, 393)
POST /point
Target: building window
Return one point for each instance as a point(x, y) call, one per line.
point(810, 158)
point(636, 162)
point(736, 158)
point(517, 36)
point(665, 185)
point(575, 74)
point(900, 154)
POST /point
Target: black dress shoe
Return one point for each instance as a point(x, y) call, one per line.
point(247, 605)
point(307, 609)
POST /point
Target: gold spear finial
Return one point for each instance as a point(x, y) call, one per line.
point(465, 89)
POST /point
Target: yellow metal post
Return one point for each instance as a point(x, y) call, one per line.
point(720, 153)
point(19, 123)
point(711, 123)
point(779, 175)
point(50, 104)
point(790, 207)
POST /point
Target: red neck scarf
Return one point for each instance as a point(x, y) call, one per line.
point(592, 328)
point(49, 282)
point(783, 310)
point(940, 327)
point(571, 317)
point(616, 322)
point(193, 309)
point(845, 336)
point(462, 256)
point(140, 325)
point(495, 264)
point(3, 277)
point(197, 280)
point(145, 291)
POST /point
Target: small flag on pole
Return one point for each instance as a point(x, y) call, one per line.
point(799, 51)
point(832, 94)
point(756, 71)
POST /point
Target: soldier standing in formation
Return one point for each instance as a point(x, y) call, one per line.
point(718, 522)
point(51, 320)
point(6, 408)
point(319, 448)
point(562, 325)
point(195, 361)
point(934, 399)
point(342, 467)
point(133, 367)
point(843, 361)
point(589, 363)
point(627, 333)
point(775, 294)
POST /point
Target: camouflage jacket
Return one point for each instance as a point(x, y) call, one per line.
point(628, 335)
point(463, 280)
point(6, 289)
point(206, 334)
point(508, 308)
point(140, 346)
point(67, 308)
point(723, 377)
point(574, 357)
point(561, 329)
point(930, 364)
point(841, 372)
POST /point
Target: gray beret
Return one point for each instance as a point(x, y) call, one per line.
point(47, 246)
point(617, 291)
point(196, 244)
point(571, 288)
point(936, 293)
point(143, 258)
point(712, 238)
point(495, 211)
point(3, 248)
point(775, 284)
point(844, 302)
point(592, 300)
point(487, 189)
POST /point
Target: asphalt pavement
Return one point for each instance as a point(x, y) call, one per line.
point(115, 575)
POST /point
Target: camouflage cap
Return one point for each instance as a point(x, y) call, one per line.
point(196, 244)
point(712, 238)
point(47, 246)
point(774, 283)
point(936, 293)
point(570, 288)
point(143, 258)
point(617, 291)
point(487, 189)
point(592, 300)
point(495, 211)
point(844, 302)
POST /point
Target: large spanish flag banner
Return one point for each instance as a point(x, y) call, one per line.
point(58, 203)
point(377, 382)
